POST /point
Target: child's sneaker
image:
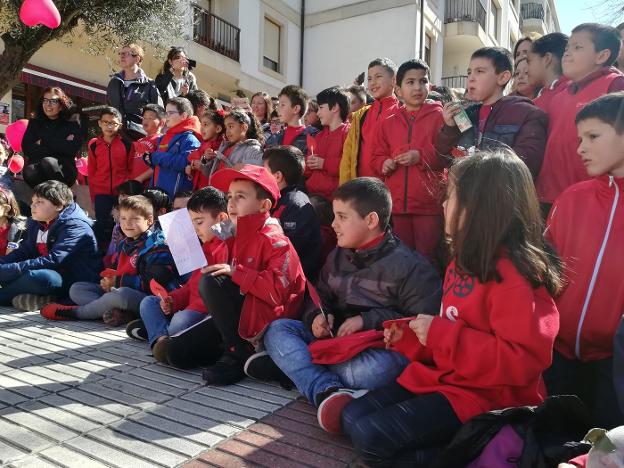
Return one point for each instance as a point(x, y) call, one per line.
point(260, 366)
point(58, 312)
point(159, 350)
point(136, 329)
point(31, 302)
point(117, 317)
point(330, 410)
point(226, 371)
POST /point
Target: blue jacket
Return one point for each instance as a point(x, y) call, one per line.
point(72, 250)
point(170, 161)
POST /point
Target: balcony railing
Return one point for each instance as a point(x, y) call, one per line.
point(215, 33)
point(458, 81)
point(532, 11)
point(465, 10)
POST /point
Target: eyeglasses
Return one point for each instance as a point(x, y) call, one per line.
point(54, 101)
point(107, 123)
point(170, 113)
point(126, 54)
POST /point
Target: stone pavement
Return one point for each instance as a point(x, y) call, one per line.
point(80, 394)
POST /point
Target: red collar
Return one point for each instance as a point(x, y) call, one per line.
point(372, 243)
point(576, 86)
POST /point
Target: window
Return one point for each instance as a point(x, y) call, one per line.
point(495, 21)
point(272, 36)
point(428, 49)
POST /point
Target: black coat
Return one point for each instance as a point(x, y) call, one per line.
point(54, 143)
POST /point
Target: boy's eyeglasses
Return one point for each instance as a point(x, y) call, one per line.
point(54, 101)
point(170, 113)
point(107, 123)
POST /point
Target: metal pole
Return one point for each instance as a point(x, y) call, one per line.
point(422, 30)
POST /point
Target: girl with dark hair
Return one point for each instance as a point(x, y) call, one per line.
point(51, 141)
point(494, 335)
point(243, 144)
point(12, 225)
point(175, 78)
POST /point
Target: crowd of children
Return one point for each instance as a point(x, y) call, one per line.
point(471, 261)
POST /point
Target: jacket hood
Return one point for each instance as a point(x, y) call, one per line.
point(71, 213)
point(141, 78)
point(191, 124)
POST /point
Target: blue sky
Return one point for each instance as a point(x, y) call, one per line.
point(573, 12)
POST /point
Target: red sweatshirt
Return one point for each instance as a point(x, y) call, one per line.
point(187, 297)
point(109, 165)
point(415, 189)
point(379, 111)
point(199, 179)
point(329, 144)
point(586, 227)
point(144, 145)
point(268, 271)
point(488, 347)
point(546, 95)
point(562, 166)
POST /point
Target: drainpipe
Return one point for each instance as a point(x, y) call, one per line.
point(302, 27)
point(422, 30)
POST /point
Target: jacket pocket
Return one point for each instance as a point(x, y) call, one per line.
point(505, 134)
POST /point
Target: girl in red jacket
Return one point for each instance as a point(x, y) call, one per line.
point(497, 324)
point(212, 131)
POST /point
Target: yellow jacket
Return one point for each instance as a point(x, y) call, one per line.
point(351, 147)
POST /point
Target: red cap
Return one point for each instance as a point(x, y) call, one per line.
point(222, 179)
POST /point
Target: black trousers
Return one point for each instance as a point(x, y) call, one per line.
point(50, 169)
point(224, 302)
point(392, 427)
point(104, 223)
point(197, 346)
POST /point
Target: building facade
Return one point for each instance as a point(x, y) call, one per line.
point(253, 45)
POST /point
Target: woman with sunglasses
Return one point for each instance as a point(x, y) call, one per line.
point(51, 141)
point(130, 90)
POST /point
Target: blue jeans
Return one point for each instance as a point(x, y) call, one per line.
point(158, 324)
point(287, 341)
point(39, 282)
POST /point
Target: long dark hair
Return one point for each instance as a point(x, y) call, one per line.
point(497, 213)
point(67, 106)
point(254, 130)
point(173, 52)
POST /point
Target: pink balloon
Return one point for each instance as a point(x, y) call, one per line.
point(35, 12)
point(16, 163)
point(82, 164)
point(15, 133)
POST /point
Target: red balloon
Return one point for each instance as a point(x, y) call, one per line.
point(35, 12)
point(16, 163)
point(15, 134)
point(82, 164)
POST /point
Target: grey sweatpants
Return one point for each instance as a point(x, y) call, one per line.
point(93, 301)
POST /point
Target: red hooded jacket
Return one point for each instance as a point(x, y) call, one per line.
point(415, 189)
point(586, 227)
point(187, 297)
point(378, 112)
point(562, 167)
point(267, 269)
point(329, 144)
point(199, 179)
point(109, 165)
point(488, 347)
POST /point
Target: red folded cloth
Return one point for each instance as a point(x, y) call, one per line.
point(343, 348)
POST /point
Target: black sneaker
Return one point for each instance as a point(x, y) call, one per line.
point(260, 366)
point(227, 371)
point(136, 329)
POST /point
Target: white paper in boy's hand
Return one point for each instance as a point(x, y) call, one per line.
point(182, 241)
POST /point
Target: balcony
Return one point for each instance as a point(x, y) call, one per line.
point(464, 10)
point(458, 81)
point(215, 33)
point(532, 11)
point(532, 18)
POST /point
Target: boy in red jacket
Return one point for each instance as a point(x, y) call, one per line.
point(109, 166)
point(183, 308)
point(586, 226)
point(587, 62)
point(152, 121)
point(323, 161)
point(404, 157)
point(264, 280)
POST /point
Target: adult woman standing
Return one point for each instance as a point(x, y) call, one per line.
point(130, 90)
point(51, 141)
point(262, 106)
point(175, 79)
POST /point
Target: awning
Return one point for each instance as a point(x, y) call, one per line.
point(74, 87)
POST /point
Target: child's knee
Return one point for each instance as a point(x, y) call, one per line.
point(279, 327)
point(148, 305)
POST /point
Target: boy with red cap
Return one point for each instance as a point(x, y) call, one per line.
point(264, 280)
